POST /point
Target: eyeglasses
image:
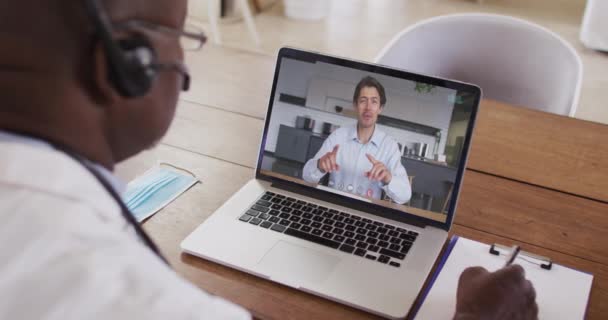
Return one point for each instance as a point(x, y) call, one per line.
point(191, 38)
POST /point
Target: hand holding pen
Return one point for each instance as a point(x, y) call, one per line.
point(503, 294)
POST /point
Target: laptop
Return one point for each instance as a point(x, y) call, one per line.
point(342, 226)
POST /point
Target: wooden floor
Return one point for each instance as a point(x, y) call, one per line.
point(360, 28)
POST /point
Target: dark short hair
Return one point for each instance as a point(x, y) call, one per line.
point(370, 82)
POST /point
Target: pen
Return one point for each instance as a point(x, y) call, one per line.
point(513, 255)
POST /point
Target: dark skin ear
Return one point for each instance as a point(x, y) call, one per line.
point(107, 93)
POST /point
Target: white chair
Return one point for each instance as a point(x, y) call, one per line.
point(512, 60)
point(213, 10)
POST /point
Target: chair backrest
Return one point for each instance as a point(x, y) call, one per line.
point(512, 60)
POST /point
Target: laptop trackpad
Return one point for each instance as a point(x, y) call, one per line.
point(295, 266)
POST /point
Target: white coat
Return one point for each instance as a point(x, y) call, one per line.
point(66, 252)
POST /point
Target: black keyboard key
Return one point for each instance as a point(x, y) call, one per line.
point(284, 222)
point(383, 244)
point(326, 228)
point(295, 225)
point(360, 224)
point(349, 221)
point(328, 221)
point(313, 238)
point(384, 259)
point(360, 237)
point(252, 213)
point(316, 211)
point(339, 218)
point(393, 233)
point(394, 247)
point(307, 215)
point(351, 242)
point(317, 218)
point(405, 249)
point(295, 218)
point(278, 228)
point(316, 225)
point(305, 222)
point(274, 219)
point(382, 230)
point(327, 215)
point(287, 209)
point(317, 232)
point(327, 235)
point(266, 197)
point(394, 264)
point(373, 234)
point(369, 256)
point(360, 252)
point(297, 212)
point(384, 237)
point(401, 230)
point(266, 224)
point(307, 209)
point(349, 234)
point(245, 218)
point(291, 199)
point(391, 253)
point(312, 205)
point(264, 216)
point(407, 237)
point(344, 214)
point(339, 238)
point(355, 217)
point(347, 248)
point(373, 248)
point(270, 193)
point(276, 200)
point(338, 231)
point(334, 211)
point(322, 208)
point(284, 215)
point(276, 206)
point(340, 225)
point(361, 231)
point(371, 227)
point(301, 202)
point(395, 240)
point(264, 203)
point(306, 228)
point(350, 227)
point(362, 245)
point(378, 223)
point(297, 206)
point(260, 208)
point(280, 196)
point(366, 220)
point(413, 233)
point(371, 240)
point(255, 221)
point(274, 212)
point(388, 226)
point(286, 203)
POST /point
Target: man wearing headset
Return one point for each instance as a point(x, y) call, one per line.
point(85, 84)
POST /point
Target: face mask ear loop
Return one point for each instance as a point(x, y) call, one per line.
point(181, 169)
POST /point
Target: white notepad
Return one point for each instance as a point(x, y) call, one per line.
point(561, 293)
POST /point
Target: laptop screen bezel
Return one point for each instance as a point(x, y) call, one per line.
point(338, 199)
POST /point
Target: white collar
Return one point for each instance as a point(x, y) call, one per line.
point(118, 185)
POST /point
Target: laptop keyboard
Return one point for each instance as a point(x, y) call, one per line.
point(342, 231)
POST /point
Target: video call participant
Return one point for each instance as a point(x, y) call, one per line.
point(362, 159)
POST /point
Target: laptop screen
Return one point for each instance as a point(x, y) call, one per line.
point(380, 138)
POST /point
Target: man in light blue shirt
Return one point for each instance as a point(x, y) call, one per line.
point(362, 159)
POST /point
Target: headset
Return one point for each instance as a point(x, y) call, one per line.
point(131, 61)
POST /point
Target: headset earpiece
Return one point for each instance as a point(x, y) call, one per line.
point(130, 61)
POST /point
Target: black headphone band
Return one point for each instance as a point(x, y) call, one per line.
point(131, 78)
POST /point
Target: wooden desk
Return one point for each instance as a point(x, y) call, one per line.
point(533, 178)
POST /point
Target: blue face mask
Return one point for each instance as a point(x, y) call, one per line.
point(151, 192)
